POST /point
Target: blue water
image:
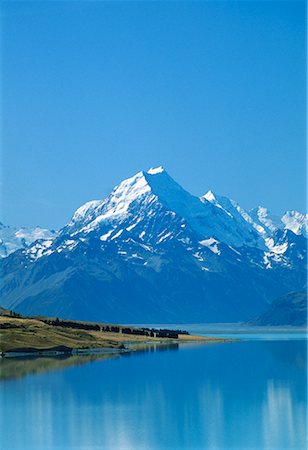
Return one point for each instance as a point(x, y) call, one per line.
point(259, 337)
point(244, 395)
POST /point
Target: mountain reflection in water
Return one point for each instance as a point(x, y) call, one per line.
point(18, 367)
point(242, 395)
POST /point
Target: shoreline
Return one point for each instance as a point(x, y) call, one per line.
point(125, 347)
point(43, 336)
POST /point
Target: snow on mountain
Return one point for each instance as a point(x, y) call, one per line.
point(148, 190)
point(252, 232)
point(84, 211)
point(12, 239)
point(255, 219)
point(291, 220)
point(261, 220)
point(115, 207)
point(296, 222)
point(262, 217)
point(134, 206)
point(155, 170)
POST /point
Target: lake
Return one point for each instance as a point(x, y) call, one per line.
point(250, 394)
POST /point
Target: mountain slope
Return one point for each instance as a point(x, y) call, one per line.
point(289, 309)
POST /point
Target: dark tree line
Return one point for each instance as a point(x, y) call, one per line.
point(71, 324)
point(149, 332)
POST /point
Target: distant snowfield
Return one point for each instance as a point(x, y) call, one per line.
point(12, 239)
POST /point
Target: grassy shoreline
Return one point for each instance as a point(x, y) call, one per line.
point(23, 335)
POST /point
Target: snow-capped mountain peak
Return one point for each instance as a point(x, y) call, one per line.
point(210, 196)
point(126, 193)
point(90, 215)
point(139, 196)
point(155, 170)
point(155, 185)
point(154, 192)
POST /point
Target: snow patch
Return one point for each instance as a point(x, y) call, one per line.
point(40, 249)
point(276, 248)
point(155, 170)
point(131, 227)
point(117, 235)
point(198, 256)
point(105, 236)
point(164, 237)
point(211, 243)
point(209, 196)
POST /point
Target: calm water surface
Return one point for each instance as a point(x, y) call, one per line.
point(244, 395)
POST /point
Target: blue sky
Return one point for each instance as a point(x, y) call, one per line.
point(93, 92)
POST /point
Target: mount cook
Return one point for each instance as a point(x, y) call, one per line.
point(153, 253)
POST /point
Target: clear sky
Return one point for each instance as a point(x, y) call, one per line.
point(93, 92)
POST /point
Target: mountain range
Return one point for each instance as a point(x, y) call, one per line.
point(153, 253)
point(12, 239)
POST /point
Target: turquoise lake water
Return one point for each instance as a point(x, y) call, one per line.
point(250, 394)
